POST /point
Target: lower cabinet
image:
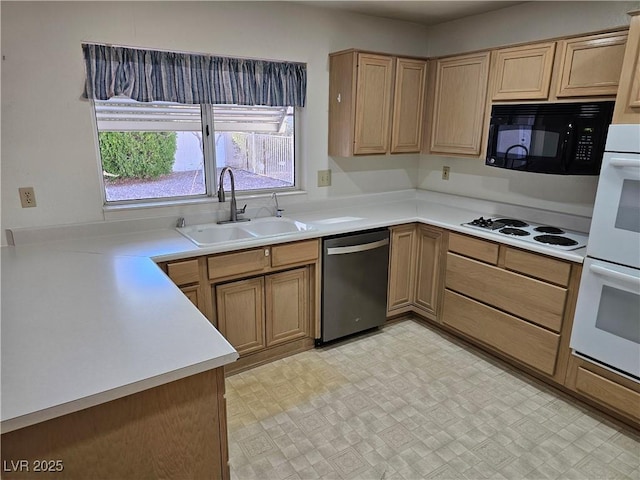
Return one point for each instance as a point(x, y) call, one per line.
point(175, 430)
point(264, 311)
point(240, 308)
point(415, 270)
point(616, 393)
point(517, 303)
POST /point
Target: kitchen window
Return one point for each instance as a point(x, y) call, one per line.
point(169, 122)
point(168, 151)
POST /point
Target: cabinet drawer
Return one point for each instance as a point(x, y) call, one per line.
point(537, 266)
point(298, 252)
point(525, 297)
point(474, 248)
point(610, 393)
point(183, 273)
point(248, 261)
point(523, 341)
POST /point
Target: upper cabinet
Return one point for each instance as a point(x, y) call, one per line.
point(627, 108)
point(523, 73)
point(590, 65)
point(375, 104)
point(459, 97)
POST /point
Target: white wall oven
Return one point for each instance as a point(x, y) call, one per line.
point(607, 320)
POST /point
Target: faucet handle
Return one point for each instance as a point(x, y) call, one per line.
point(180, 223)
point(242, 210)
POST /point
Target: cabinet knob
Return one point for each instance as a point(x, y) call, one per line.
point(339, 98)
point(266, 252)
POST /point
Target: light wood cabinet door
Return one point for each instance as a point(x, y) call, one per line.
point(429, 250)
point(287, 306)
point(240, 310)
point(402, 268)
point(459, 104)
point(373, 104)
point(408, 105)
point(523, 73)
point(591, 65)
point(627, 109)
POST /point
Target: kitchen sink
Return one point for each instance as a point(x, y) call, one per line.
point(212, 233)
point(267, 227)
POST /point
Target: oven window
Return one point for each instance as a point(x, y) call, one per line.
point(523, 141)
point(628, 217)
point(618, 313)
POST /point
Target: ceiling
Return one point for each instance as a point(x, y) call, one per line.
point(425, 12)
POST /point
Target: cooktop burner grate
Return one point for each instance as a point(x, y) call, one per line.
point(548, 229)
point(517, 232)
point(512, 222)
point(555, 240)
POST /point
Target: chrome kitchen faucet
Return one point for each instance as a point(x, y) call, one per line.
point(221, 198)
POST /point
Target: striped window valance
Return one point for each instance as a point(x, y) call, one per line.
point(156, 76)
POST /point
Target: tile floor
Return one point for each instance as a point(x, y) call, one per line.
point(408, 403)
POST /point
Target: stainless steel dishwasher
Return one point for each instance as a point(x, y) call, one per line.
point(354, 283)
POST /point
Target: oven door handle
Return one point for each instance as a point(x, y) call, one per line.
point(606, 272)
point(624, 162)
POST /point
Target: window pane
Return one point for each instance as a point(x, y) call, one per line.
point(141, 165)
point(150, 151)
point(257, 143)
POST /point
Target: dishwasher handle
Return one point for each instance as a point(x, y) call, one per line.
point(357, 248)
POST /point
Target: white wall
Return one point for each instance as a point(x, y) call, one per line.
point(521, 23)
point(48, 138)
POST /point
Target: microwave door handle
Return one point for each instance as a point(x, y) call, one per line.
point(623, 277)
point(516, 145)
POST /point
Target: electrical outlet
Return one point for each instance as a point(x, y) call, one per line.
point(445, 173)
point(324, 178)
point(27, 197)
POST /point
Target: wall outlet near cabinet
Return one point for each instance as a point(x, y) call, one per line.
point(27, 197)
point(445, 173)
point(324, 178)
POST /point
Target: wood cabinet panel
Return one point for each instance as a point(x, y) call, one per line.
point(184, 272)
point(402, 268)
point(615, 392)
point(373, 104)
point(429, 256)
point(292, 253)
point(248, 261)
point(240, 309)
point(611, 393)
point(176, 430)
point(408, 105)
point(342, 103)
point(538, 266)
point(287, 306)
point(523, 73)
point(525, 297)
point(516, 338)
point(459, 104)
point(474, 247)
point(591, 65)
point(627, 109)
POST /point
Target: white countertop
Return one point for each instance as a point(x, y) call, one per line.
point(89, 319)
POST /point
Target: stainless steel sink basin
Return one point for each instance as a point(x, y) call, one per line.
point(212, 233)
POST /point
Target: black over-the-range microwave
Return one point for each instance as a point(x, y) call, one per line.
point(557, 138)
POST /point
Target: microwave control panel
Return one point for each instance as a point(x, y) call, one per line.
point(585, 145)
